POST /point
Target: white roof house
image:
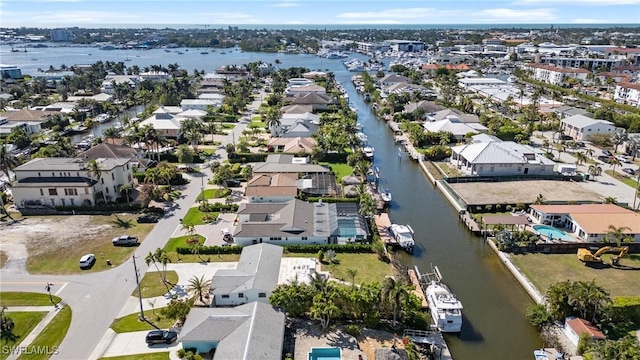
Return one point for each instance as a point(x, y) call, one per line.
point(198, 104)
point(500, 158)
point(453, 125)
point(166, 123)
point(579, 127)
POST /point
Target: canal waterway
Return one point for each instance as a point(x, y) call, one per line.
point(495, 326)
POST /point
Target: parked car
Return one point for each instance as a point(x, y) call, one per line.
point(581, 144)
point(623, 159)
point(604, 158)
point(629, 171)
point(86, 261)
point(161, 337)
point(125, 240)
point(607, 152)
point(147, 218)
point(226, 234)
point(232, 183)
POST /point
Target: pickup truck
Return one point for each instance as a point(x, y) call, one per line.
point(125, 240)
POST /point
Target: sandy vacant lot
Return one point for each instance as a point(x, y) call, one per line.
point(513, 192)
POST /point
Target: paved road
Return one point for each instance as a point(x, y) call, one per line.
point(97, 298)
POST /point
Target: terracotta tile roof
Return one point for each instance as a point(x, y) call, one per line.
point(272, 185)
point(628, 85)
point(580, 326)
point(599, 223)
point(28, 115)
point(559, 69)
point(582, 209)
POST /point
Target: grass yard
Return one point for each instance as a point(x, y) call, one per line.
point(631, 181)
point(26, 299)
point(151, 284)
point(131, 322)
point(376, 270)
point(544, 270)
point(24, 322)
point(180, 241)
point(63, 259)
point(194, 216)
point(214, 194)
point(52, 335)
point(149, 356)
point(340, 169)
point(174, 243)
point(3, 259)
point(448, 169)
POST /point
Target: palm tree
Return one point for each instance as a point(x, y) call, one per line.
point(540, 199)
point(594, 170)
point(151, 258)
point(589, 152)
point(111, 133)
point(393, 292)
point(614, 162)
point(617, 234)
point(126, 189)
point(272, 119)
point(192, 131)
point(352, 273)
point(161, 257)
point(94, 171)
point(581, 157)
point(7, 162)
point(199, 287)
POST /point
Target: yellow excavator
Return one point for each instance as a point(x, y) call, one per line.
point(587, 257)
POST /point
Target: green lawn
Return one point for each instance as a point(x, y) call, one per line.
point(214, 194)
point(179, 241)
point(151, 284)
point(174, 243)
point(369, 267)
point(24, 323)
point(449, 170)
point(149, 356)
point(340, 169)
point(631, 181)
point(52, 335)
point(26, 299)
point(194, 216)
point(131, 322)
point(544, 270)
point(64, 259)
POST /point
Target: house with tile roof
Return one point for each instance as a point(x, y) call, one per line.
point(391, 79)
point(112, 151)
point(253, 279)
point(579, 127)
point(317, 101)
point(246, 332)
point(294, 145)
point(448, 113)
point(500, 158)
point(296, 125)
point(272, 187)
point(574, 327)
point(588, 222)
point(287, 163)
point(628, 93)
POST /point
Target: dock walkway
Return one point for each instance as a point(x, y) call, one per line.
point(470, 222)
point(418, 289)
point(383, 223)
point(433, 338)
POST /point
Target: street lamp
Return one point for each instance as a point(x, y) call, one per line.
point(48, 289)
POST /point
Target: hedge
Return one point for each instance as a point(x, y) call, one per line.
point(352, 248)
point(247, 157)
point(334, 157)
point(218, 207)
point(235, 168)
point(625, 308)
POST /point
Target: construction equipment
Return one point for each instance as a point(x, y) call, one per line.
point(586, 256)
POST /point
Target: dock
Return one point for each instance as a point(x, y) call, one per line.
point(418, 292)
point(470, 222)
point(435, 339)
point(383, 223)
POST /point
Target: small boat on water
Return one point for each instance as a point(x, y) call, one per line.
point(445, 308)
point(540, 355)
point(403, 235)
point(368, 152)
point(102, 118)
point(385, 195)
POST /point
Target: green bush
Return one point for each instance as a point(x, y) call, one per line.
point(235, 168)
point(218, 207)
point(352, 329)
point(247, 157)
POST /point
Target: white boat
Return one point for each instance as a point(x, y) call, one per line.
point(403, 235)
point(445, 309)
point(540, 355)
point(102, 118)
point(368, 152)
point(362, 137)
point(512, 79)
point(385, 195)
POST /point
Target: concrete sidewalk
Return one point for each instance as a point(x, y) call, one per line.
point(52, 311)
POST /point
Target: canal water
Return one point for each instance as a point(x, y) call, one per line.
point(494, 324)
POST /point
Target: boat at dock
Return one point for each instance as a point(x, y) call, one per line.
point(385, 195)
point(445, 308)
point(102, 118)
point(403, 234)
point(367, 151)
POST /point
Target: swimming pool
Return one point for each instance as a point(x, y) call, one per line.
point(325, 354)
point(552, 233)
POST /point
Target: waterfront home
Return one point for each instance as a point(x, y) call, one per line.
point(565, 111)
point(49, 182)
point(455, 126)
point(627, 93)
point(155, 76)
point(6, 127)
point(288, 163)
point(254, 278)
point(556, 75)
point(484, 138)
point(296, 145)
point(319, 185)
point(296, 109)
point(113, 151)
point(588, 222)
point(579, 127)
point(296, 125)
point(299, 222)
point(111, 82)
point(293, 91)
point(317, 101)
point(574, 327)
point(251, 331)
point(272, 188)
point(500, 158)
point(167, 124)
point(392, 79)
point(198, 104)
point(427, 106)
point(452, 113)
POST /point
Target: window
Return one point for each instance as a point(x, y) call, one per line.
point(77, 174)
point(41, 192)
point(71, 192)
point(38, 174)
point(113, 176)
point(304, 238)
point(240, 295)
point(225, 296)
point(53, 192)
point(72, 202)
point(107, 189)
point(53, 174)
point(102, 180)
point(262, 295)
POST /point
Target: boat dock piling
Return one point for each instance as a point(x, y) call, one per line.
point(418, 288)
point(434, 338)
point(470, 222)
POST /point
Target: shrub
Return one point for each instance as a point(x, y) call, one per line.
point(352, 329)
point(218, 207)
point(247, 157)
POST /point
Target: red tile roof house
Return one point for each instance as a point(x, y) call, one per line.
point(574, 327)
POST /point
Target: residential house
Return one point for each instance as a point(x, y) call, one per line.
point(588, 222)
point(167, 124)
point(296, 145)
point(155, 75)
point(53, 182)
point(287, 163)
point(565, 111)
point(446, 59)
point(253, 279)
point(452, 113)
point(299, 222)
point(484, 138)
point(294, 91)
point(111, 82)
point(272, 188)
point(574, 327)
point(427, 106)
point(6, 127)
point(556, 75)
point(31, 119)
point(392, 79)
point(455, 126)
point(296, 125)
point(319, 185)
point(112, 151)
point(293, 82)
point(579, 127)
point(317, 101)
point(296, 109)
point(628, 93)
point(500, 158)
point(198, 104)
point(246, 332)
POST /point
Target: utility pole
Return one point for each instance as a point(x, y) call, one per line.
point(48, 289)
point(135, 267)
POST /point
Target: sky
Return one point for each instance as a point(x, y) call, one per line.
point(95, 13)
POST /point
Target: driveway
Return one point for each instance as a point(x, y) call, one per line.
point(134, 343)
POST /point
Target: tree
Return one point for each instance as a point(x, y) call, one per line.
point(7, 162)
point(95, 172)
point(178, 309)
point(6, 323)
point(367, 205)
point(614, 162)
point(393, 292)
point(618, 137)
point(324, 308)
point(159, 256)
point(594, 170)
point(352, 273)
point(295, 298)
point(111, 133)
point(540, 199)
point(185, 154)
point(192, 130)
point(587, 300)
point(616, 234)
point(125, 190)
point(199, 287)
point(192, 239)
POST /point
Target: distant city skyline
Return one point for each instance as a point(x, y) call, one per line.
point(99, 13)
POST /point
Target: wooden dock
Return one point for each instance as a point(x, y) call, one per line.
point(383, 223)
point(418, 289)
point(434, 338)
point(470, 222)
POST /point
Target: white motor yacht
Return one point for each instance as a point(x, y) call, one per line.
point(445, 308)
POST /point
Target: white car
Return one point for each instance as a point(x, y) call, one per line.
point(623, 159)
point(86, 261)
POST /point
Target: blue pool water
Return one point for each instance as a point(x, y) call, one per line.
point(551, 232)
point(324, 354)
